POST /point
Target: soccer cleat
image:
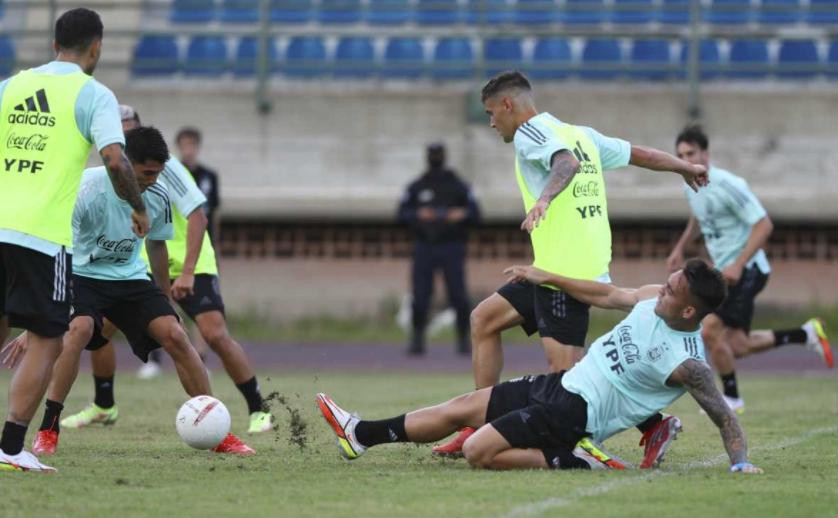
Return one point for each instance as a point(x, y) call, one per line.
point(45, 443)
point(737, 404)
point(149, 370)
point(343, 424)
point(817, 341)
point(260, 422)
point(90, 415)
point(234, 445)
point(454, 448)
point(595, 455)
point(657, 440)
point(23, 461)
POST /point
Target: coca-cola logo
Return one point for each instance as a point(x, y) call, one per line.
point(586, 189)
point(117, 245)
point(34, 142)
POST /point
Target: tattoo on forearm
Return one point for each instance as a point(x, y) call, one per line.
point(122, 178)
point(562, 170)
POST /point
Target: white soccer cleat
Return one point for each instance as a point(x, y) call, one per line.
point(817, 341)
point(737, 404)
point(23, 461)
point(149, 370)
point(343, 424)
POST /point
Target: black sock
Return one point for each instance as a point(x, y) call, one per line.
point(52, 415)
point(155, 356)
point(729, 384)
point(563, 458)
point(650, 423)
point(11, 441)
point(250, 391)
point(103, 388)
point(370, 433)
point(789, 336)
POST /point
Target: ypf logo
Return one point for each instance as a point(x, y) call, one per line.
point(33, 111)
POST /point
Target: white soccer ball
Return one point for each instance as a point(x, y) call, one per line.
point(203, 422)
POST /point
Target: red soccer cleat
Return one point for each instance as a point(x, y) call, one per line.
point(45, 443)
point(454, 448)
point(657, 441)
point(234, 445)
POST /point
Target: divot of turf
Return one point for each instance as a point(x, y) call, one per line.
point(297, 426)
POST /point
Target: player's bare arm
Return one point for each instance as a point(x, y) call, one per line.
point(196, 225)
point(697, 378)
point(694, 175)
point(563, 168)
point(676, 259)
point(757, 239)
point(125, 184)
point(601, 295)
point(158, 261)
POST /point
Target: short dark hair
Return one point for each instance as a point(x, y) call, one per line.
point(707, 286)
point(693, 134)
point(189, 132)
point(146, 143)
point(78, 28)
point(505, 81)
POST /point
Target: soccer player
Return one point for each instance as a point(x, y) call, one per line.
point(51, 115)
point(735, 227)
point(196, 289)
point(110, 281)
point(559, 168)
point(642, 366)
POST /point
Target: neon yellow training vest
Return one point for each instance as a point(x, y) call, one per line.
point(177, 250)
point(42, 154)
point(574, 240)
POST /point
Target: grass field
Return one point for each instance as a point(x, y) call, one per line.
point(140, 467)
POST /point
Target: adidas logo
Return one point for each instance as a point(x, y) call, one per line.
point(31, 111)
point(206, 300)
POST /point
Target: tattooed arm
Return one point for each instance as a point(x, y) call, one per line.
point(563, 167)
point(697, 378)
point(125, 184)
point(694, 175)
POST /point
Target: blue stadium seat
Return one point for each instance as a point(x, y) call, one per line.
point(748, 58)
point(437, 12)
point(305, 57)
point(489, 11)
point(728, 12)
point(832, 59)
point(708, 58)
point(155, 56)
point(292, 11)
point(240, 11)
point(779, 11)
point(403, 57)
point(633, 11)
point(7, 56)
point(453, 58)
point(649, 60)
point(354, 57)
point(551, 58)
point(339, 11)
point(823, 12)
point(537, 12)
point(501, 54)
point(247, 57)
point(206, 56)
point(796, 56)
point(192, 11)
point(389, 12)
point(585, 12)
point(597, 53)
point(675, 12)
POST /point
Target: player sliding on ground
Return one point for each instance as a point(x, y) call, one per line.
point(110, 281)
point(552, 421)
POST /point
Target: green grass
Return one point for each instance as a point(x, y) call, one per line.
point(140, 467)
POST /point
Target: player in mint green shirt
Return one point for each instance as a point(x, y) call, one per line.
point(735, 228)
point(640, 367)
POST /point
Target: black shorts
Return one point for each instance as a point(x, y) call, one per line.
point(129, 305)
point(554, 314)
point(537, 412)
point(737, 311)
point(206, 297)
point(35, 289)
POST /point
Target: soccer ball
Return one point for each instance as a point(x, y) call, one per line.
point(203, 422)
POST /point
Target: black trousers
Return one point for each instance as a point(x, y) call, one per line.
point(427, 259)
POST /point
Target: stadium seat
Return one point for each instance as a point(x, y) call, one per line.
point(291, 11)
point(339, 11)
point(551, 58)
point(832, 59)
point(305, 57)
point(389, 12)
point(536, 12)
point(501, 54)
point(437, 12)
point(453, 58)
point(797, 59)
point(708, 58)
point(748, 58)
point(206, 56)
point(585, 12)
point(155, 56)
point(675, 12)
point(192, 11)
point(779, 11)
point(403, 57)
point(728, 12)
point(240, 11)
point(247, 57)
point(633, 11)
point(354, 57)
point(489, 11)
point(823, 12)
point(7, 56)
point(597, 54)
point(650, 59)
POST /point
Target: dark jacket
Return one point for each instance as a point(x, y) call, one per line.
point(440, 190)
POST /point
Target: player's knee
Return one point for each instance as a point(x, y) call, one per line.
point(81, 331)
point(175, 340)
point(217, 338)
point(475, 454)
point(481, 321)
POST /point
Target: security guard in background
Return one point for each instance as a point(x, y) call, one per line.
point(439, 207)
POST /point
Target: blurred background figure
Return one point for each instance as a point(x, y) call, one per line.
point(188, 142)
point(439, 207)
